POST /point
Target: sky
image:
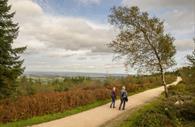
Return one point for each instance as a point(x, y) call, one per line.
point(71, 35)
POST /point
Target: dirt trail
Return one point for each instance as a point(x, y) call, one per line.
point(100, 115)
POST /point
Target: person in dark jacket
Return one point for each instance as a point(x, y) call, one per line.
point(113, 96)
point(123, 97)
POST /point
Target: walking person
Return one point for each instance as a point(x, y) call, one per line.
point(123, 97)
point(113, 96)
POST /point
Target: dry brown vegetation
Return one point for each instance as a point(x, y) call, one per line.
point(40, 104)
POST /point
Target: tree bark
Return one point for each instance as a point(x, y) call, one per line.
point(164, 83)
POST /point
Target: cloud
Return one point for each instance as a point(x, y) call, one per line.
point(179, 22)
point(159, 4)
point(59, 43)
point(66, 53)
point(40, 31)
point(183, 45)
point(89, 1)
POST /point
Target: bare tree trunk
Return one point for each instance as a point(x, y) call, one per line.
point(164, 82)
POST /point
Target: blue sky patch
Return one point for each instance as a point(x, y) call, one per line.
point(92, 11)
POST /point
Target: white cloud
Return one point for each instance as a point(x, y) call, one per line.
point(58, 43)
point(65, 53)
point(179, 22)
point(184, 45)
point(39, 30)
point(26, 8)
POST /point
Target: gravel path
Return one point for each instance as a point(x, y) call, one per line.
point(100, 115)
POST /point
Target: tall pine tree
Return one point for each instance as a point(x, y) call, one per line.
point(10, 62)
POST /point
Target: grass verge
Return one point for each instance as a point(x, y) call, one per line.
point(135, 115)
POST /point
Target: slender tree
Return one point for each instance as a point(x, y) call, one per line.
point(10, 62)
point(142, 41)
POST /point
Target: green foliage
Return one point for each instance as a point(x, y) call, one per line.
point(30, 86)
point(187, 93)
point(166, 112)
point(154, 118)
point(187, 74)
point(191, 58)
point(142, 40)
point(150, 115)
point(10, 62)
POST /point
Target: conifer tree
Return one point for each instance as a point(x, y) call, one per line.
point(10, 61)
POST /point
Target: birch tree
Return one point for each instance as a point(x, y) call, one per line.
point(143, 41)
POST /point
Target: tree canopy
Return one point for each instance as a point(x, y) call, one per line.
point(142, 40)
point(10, 62)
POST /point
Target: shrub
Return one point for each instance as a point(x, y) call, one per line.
point(45, 103)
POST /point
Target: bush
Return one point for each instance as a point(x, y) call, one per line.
point(160, 113)
point(152, 118)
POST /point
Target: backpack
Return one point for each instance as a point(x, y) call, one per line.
point(124, 96)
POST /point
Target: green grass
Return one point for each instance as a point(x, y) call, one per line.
point(131, 121)
point(49, 117)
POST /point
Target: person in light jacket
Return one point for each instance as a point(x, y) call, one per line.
point(123, 97)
